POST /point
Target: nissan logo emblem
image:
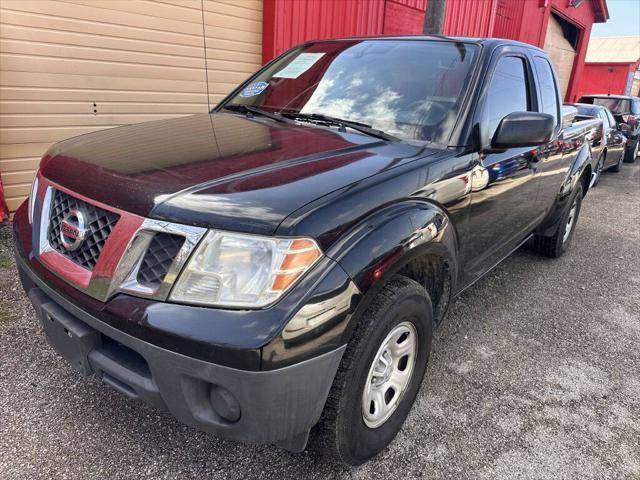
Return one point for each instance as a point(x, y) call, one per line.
point(73, 229)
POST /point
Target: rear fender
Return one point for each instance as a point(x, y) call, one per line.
point(583, 161)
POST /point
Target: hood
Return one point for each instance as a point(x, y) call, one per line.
point(217, 170)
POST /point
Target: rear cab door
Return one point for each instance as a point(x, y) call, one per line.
point(552, 164)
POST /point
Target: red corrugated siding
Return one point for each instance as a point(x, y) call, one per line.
point(417, 4)
point(605, 78)
point(296, 21)
point(402, 17)
point(508, 19)
point(472, 18)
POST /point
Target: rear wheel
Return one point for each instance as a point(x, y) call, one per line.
point(380, 374)
point(555, 245)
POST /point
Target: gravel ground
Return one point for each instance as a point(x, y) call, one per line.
point(536, 374)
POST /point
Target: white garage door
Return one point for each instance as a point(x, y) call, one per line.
point(71, 67)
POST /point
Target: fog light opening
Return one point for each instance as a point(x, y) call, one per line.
point(224, 403)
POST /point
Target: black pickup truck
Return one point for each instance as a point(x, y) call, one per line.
point(283, 260)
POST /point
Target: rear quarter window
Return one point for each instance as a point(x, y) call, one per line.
point(548, 90)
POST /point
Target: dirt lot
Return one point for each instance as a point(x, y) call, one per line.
point(536, 374)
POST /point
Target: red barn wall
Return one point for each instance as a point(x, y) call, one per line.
point(470, 18)
point(606, 78)
point(289, 22)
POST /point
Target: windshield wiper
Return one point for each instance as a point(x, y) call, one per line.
point(248, 109)
point(326, 119)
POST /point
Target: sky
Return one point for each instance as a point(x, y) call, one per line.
point(624, 19)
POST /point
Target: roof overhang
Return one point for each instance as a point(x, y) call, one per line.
point(601, 11)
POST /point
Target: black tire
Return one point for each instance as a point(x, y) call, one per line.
point(630, 154)
point(618, 166)
point(343, 435)
point(555, 245)
point(599, 169)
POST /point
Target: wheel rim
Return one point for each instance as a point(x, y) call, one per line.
point(389, 374)
point(635, 150)
point(570, 221)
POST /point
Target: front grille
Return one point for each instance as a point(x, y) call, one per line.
point(99, 224)
point(156, 262)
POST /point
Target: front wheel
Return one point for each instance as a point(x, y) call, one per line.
point(559, 242)
point(380, 373)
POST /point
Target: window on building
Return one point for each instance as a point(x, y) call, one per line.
point(508, 92)
point(548, 89)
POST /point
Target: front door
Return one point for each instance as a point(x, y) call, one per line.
point(504, 193)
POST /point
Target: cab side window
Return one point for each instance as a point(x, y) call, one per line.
point(548, 88)
point(508, 92)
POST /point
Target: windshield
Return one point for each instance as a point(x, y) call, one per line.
point(410, 89)
point(618, 106)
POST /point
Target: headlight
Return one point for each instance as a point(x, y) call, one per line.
point(238, 270)
point(32, 198)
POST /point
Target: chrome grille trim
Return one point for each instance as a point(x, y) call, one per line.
point(134, 255)
point(124, 278)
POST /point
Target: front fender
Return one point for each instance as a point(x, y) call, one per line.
point(383, 243)
point(356, 266)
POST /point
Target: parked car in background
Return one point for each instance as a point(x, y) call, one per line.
point(608, 145)
point(626, 111)
point(283, 260)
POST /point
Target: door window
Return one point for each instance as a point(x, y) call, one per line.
point(612, 121)
point(508, 92)
point(548, 89)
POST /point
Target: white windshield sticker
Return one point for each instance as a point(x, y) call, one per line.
point(299, 65)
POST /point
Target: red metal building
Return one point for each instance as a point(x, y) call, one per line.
point(611, 66)
point(562, 27)
point(613, 78)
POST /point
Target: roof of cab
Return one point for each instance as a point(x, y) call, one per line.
point(489, 42)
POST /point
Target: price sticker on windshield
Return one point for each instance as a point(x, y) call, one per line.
point(299, 65)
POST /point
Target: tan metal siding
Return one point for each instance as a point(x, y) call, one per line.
point(75, 66)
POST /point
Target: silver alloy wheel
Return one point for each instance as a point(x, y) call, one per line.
point(389, 374)
point(570, 221)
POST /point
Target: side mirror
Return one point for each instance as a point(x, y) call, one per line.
point(523, 129)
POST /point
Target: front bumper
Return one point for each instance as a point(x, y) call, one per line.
point(276, 406)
